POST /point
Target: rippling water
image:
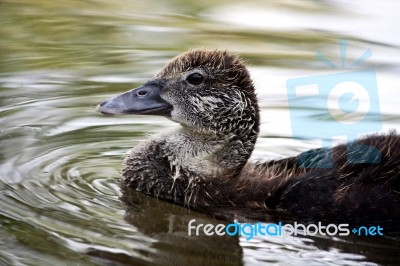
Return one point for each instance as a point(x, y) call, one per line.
point(60, 161)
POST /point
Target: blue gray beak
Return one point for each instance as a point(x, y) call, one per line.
point(145, 100)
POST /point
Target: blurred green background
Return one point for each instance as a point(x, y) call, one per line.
point(60, 161)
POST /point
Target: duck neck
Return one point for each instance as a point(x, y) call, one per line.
point(209, 155)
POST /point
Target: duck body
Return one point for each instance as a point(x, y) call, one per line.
point(205, 161)
point(349, 192)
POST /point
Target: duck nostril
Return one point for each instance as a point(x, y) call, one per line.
point(141, 93)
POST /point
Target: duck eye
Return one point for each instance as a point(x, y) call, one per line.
point(195, 79)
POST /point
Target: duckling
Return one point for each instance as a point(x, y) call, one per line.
point(205, 162)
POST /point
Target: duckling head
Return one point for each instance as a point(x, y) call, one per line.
point(206, 91)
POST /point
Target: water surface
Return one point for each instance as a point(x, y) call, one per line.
point(60, 161)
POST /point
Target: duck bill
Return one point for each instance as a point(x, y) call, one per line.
point(145, 100)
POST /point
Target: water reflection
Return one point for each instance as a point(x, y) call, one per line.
point(60, 161)
point(168, 225)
